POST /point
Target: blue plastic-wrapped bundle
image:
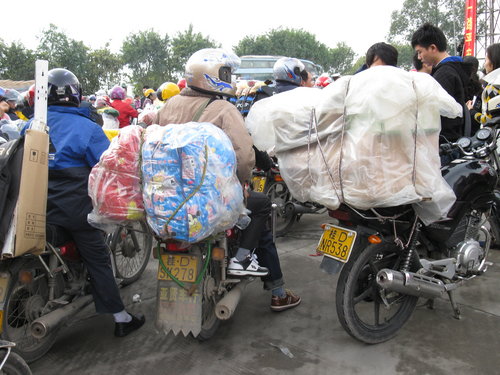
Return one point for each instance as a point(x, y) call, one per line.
point(190, 188)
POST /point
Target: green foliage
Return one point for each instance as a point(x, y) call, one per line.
point(104, 69)
point(184, 44)
point(405, 55)
point(300, 44)
point(16, 62)
point(445, 14)
point(147, 57)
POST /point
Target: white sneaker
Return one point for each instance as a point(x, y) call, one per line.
point(247, 267)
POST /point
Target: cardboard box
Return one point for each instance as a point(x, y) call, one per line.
point(31, 207)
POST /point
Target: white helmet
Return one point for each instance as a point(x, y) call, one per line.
point(289, 69)
point(210, 70)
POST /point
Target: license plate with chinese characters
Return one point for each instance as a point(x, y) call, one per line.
point(337, 242)
point(182, 267)
point(259, 183)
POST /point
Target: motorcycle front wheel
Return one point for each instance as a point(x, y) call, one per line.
point(131, 248)
point(368, 313)
point(24, 303)
point(15, 364)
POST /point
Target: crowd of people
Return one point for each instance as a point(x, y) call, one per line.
point(207, 93)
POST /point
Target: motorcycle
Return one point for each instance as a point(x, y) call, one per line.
point(194, 292)
point(388, 259)
point(12, 363)
point(288, 209)
point(40, 293)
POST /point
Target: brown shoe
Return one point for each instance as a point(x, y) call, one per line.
point(287, 302)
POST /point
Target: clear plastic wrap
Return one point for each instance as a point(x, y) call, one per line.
point(382, 152)
point(115, 184)
point(190, 187)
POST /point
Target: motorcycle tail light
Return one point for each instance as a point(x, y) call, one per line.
point(339, 215)
point(218, 254)
point(175, 246)
point(69, 251)
point(278, 178)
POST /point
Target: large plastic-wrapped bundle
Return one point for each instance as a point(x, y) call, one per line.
point(190, 187)
point(283, 120)
point(382, 152)
point(115, 184)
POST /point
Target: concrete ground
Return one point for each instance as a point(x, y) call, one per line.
point(306, 340)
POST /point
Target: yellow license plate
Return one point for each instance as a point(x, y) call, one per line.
point(259, 183)
point(337, 242)
point(182, 267)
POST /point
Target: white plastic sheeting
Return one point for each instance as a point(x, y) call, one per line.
point(370, 140)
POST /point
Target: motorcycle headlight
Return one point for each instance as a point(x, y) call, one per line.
point(483, 134)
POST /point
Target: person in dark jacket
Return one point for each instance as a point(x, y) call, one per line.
point(451, 72)
point(76, 144)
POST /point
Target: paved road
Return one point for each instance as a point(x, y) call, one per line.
point(431, 343)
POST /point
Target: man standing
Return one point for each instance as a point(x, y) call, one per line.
point(451, 72)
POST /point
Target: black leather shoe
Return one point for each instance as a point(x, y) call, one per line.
point(123, 329)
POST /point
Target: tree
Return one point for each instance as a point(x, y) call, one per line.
point(16, 62)
point(104, 69)
point(67, 53)
point(184, 44)
point(300, 44)
point(448, 15)
point(405, 55)
point(147, 57)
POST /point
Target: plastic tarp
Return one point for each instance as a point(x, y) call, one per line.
point(370, 140)
point(115, 184)
point(190, 187)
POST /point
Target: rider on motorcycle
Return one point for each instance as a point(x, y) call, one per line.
point(76, 144)
point(208, 77)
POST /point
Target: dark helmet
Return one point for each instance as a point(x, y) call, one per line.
point(64, 88)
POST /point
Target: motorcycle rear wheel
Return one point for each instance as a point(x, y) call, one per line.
point(359, 298)
point(23, 305)
point(15, 364)
point(279, 194)
point(131, 246)
point(209, 321)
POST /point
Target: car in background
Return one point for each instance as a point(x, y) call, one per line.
point(260, 68)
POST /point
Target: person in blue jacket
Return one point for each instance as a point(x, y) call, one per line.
point(76, 144)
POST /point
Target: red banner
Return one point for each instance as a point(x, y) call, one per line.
point(470, 28)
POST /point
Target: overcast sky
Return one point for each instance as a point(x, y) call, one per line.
point(358, 23)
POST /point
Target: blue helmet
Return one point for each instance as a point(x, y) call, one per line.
point(289, 69)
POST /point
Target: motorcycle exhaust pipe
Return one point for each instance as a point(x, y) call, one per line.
point(410, 283)
point(46, 324)
point(299, 209)
point(226, 306)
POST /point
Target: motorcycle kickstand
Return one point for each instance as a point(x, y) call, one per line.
point(454, 305)
point(429, 304)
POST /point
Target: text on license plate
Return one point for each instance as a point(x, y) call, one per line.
point(182, 267)
point(259, 183)
point(337, 242)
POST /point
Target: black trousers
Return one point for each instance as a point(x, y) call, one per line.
point(96, 258)
point(258, 236)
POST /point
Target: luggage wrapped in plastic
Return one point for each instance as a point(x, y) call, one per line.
point(115, 184)
point(371, 141)
point(190, 187)
point(290, 112)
